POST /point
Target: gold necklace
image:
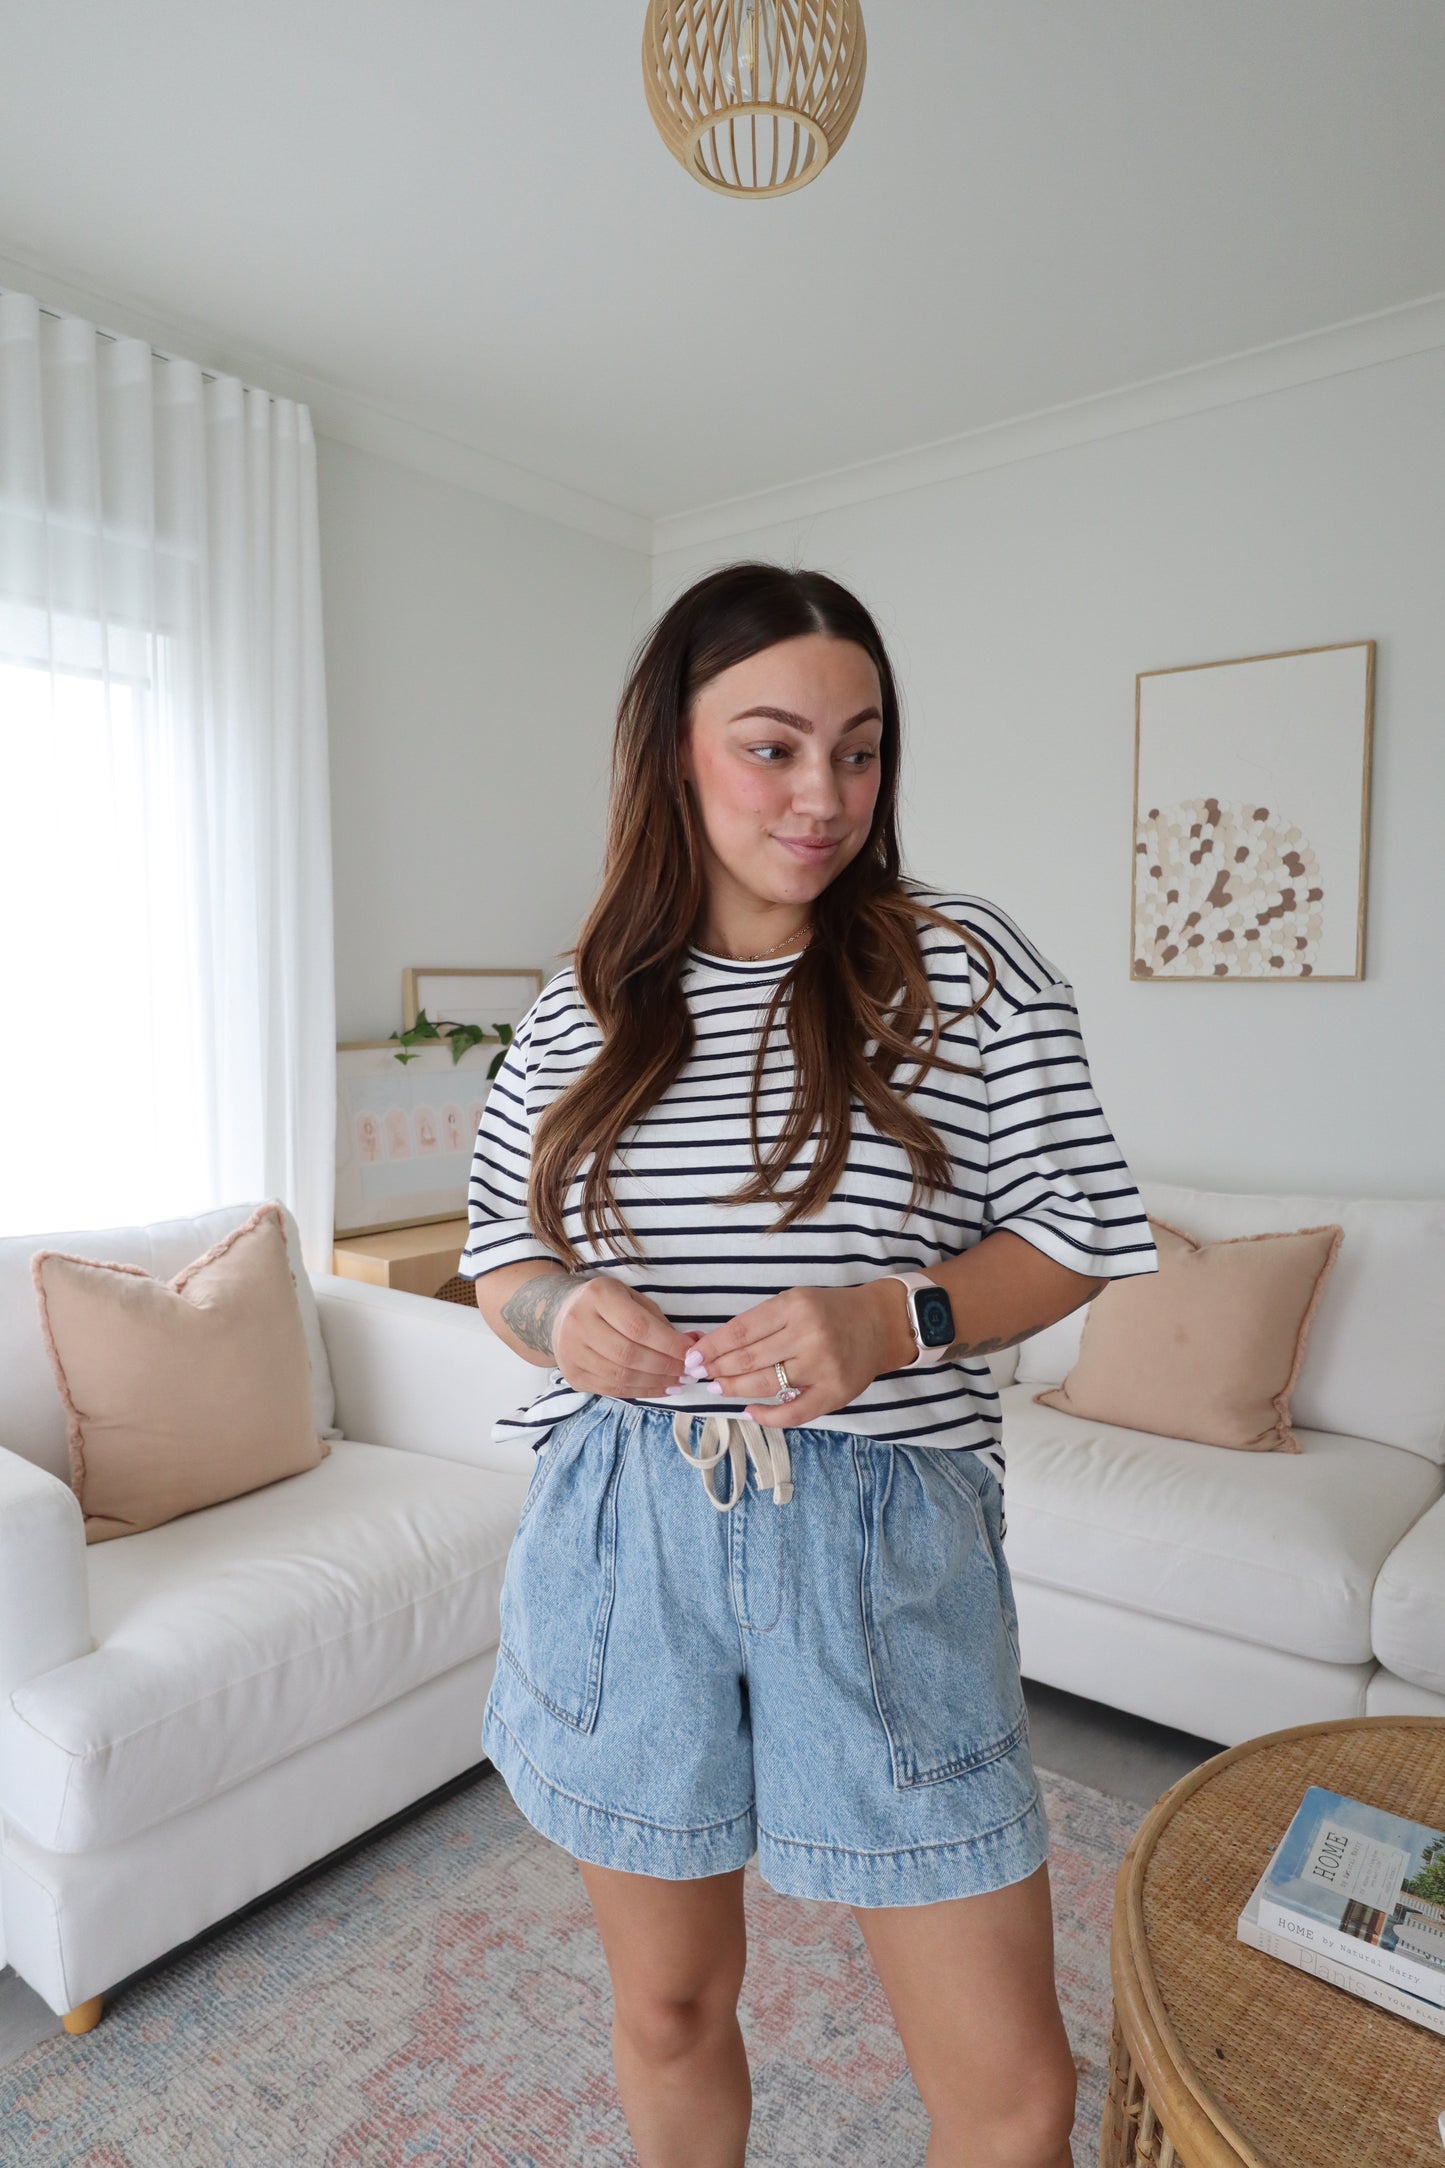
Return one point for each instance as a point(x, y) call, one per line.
point(761, 953)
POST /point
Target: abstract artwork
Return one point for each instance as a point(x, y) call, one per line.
point(404, 1134)
point(406, 1129)
point(1251, 817)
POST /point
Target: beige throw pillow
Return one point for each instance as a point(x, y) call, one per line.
point(183, 1393)
point(1209, 1346)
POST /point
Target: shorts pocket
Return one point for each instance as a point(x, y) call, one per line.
point(544, 1459)
point(562, 1568)
point(990, 1500)
point(937, 1614)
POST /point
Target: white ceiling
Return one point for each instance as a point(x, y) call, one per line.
point(462, 213)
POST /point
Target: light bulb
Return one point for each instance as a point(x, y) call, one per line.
point(748, 66)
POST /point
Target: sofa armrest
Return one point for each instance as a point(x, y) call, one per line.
point(44, 1588)
point(421, 1375)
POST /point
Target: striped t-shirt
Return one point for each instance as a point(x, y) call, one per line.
point(1030, 1151)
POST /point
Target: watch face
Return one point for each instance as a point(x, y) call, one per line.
point(934, 1313)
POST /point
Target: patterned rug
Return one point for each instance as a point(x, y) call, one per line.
point(441, 1997)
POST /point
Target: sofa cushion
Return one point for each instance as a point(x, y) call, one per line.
point(1375, 1363)
point(1274, 1548)
point(1209, 1346)
point(34, 1423)
point(180, 1392)
point(1409, 1613)
point(235, 1635)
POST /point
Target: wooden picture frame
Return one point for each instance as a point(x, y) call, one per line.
point(489, 995)
point(406, 1130)
point(405, 1133)
point(1250, 844)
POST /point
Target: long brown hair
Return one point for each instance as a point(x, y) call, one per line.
point(861, 977)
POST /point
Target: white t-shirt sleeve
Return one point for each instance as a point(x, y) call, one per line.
point(498, 1229)
point(1056, 1175)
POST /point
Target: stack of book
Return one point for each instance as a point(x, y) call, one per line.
point(1357, 1896)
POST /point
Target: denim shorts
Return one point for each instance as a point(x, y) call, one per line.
point(830, 1681)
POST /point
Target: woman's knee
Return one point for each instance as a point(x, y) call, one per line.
point(664, 2029)
point(676, 1952)
point(1029, 2126)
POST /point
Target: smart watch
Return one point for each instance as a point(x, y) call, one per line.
point(930, 1314)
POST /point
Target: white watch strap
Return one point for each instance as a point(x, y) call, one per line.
point(915, 1282)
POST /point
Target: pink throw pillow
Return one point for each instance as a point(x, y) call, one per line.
point(182, 1393)
point(1208, 1347)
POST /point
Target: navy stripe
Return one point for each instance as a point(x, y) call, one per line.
point(1029, 1150)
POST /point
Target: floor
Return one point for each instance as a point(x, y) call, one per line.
point(1126, 1756)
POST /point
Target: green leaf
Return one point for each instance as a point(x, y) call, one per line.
point(464, 1035)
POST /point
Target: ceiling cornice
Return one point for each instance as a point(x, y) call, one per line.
point(352, 418)
point(345, 416)
point(1362, 342)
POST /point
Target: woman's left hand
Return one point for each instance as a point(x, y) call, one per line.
point(832, 1341)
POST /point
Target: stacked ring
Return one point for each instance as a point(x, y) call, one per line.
point(786, 1391)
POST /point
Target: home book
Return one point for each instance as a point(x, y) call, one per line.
point(1365, 1985)
point(1356, 1887)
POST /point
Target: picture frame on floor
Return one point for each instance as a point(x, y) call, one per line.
point(405, 1133)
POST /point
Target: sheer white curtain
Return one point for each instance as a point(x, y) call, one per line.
point(166, 975)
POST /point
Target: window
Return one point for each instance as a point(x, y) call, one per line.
point(100, 1105)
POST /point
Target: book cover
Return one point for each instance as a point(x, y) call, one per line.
point(1366, 1986)
point(1363, 1886)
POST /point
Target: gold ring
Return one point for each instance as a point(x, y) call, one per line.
point(786, 1391)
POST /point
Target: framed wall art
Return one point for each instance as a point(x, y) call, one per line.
point(461, 995)
point(1251, 816)
point(405, 1133)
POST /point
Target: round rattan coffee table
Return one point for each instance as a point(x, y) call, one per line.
point(1222, 2056)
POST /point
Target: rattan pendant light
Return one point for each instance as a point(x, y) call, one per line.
point(753, 96)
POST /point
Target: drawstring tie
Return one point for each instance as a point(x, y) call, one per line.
point(724, 1437)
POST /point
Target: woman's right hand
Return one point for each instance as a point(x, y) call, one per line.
point(607, 1338)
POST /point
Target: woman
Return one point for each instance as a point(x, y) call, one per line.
point(764, 1176)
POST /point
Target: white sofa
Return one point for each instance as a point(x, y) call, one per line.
point(1234, 1593)
point(191, 1715)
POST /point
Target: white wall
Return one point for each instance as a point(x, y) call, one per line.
point(474, 654)
point(1018, 604)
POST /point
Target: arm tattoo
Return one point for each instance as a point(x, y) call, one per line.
point(531, 1309)
point(962, 1349)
